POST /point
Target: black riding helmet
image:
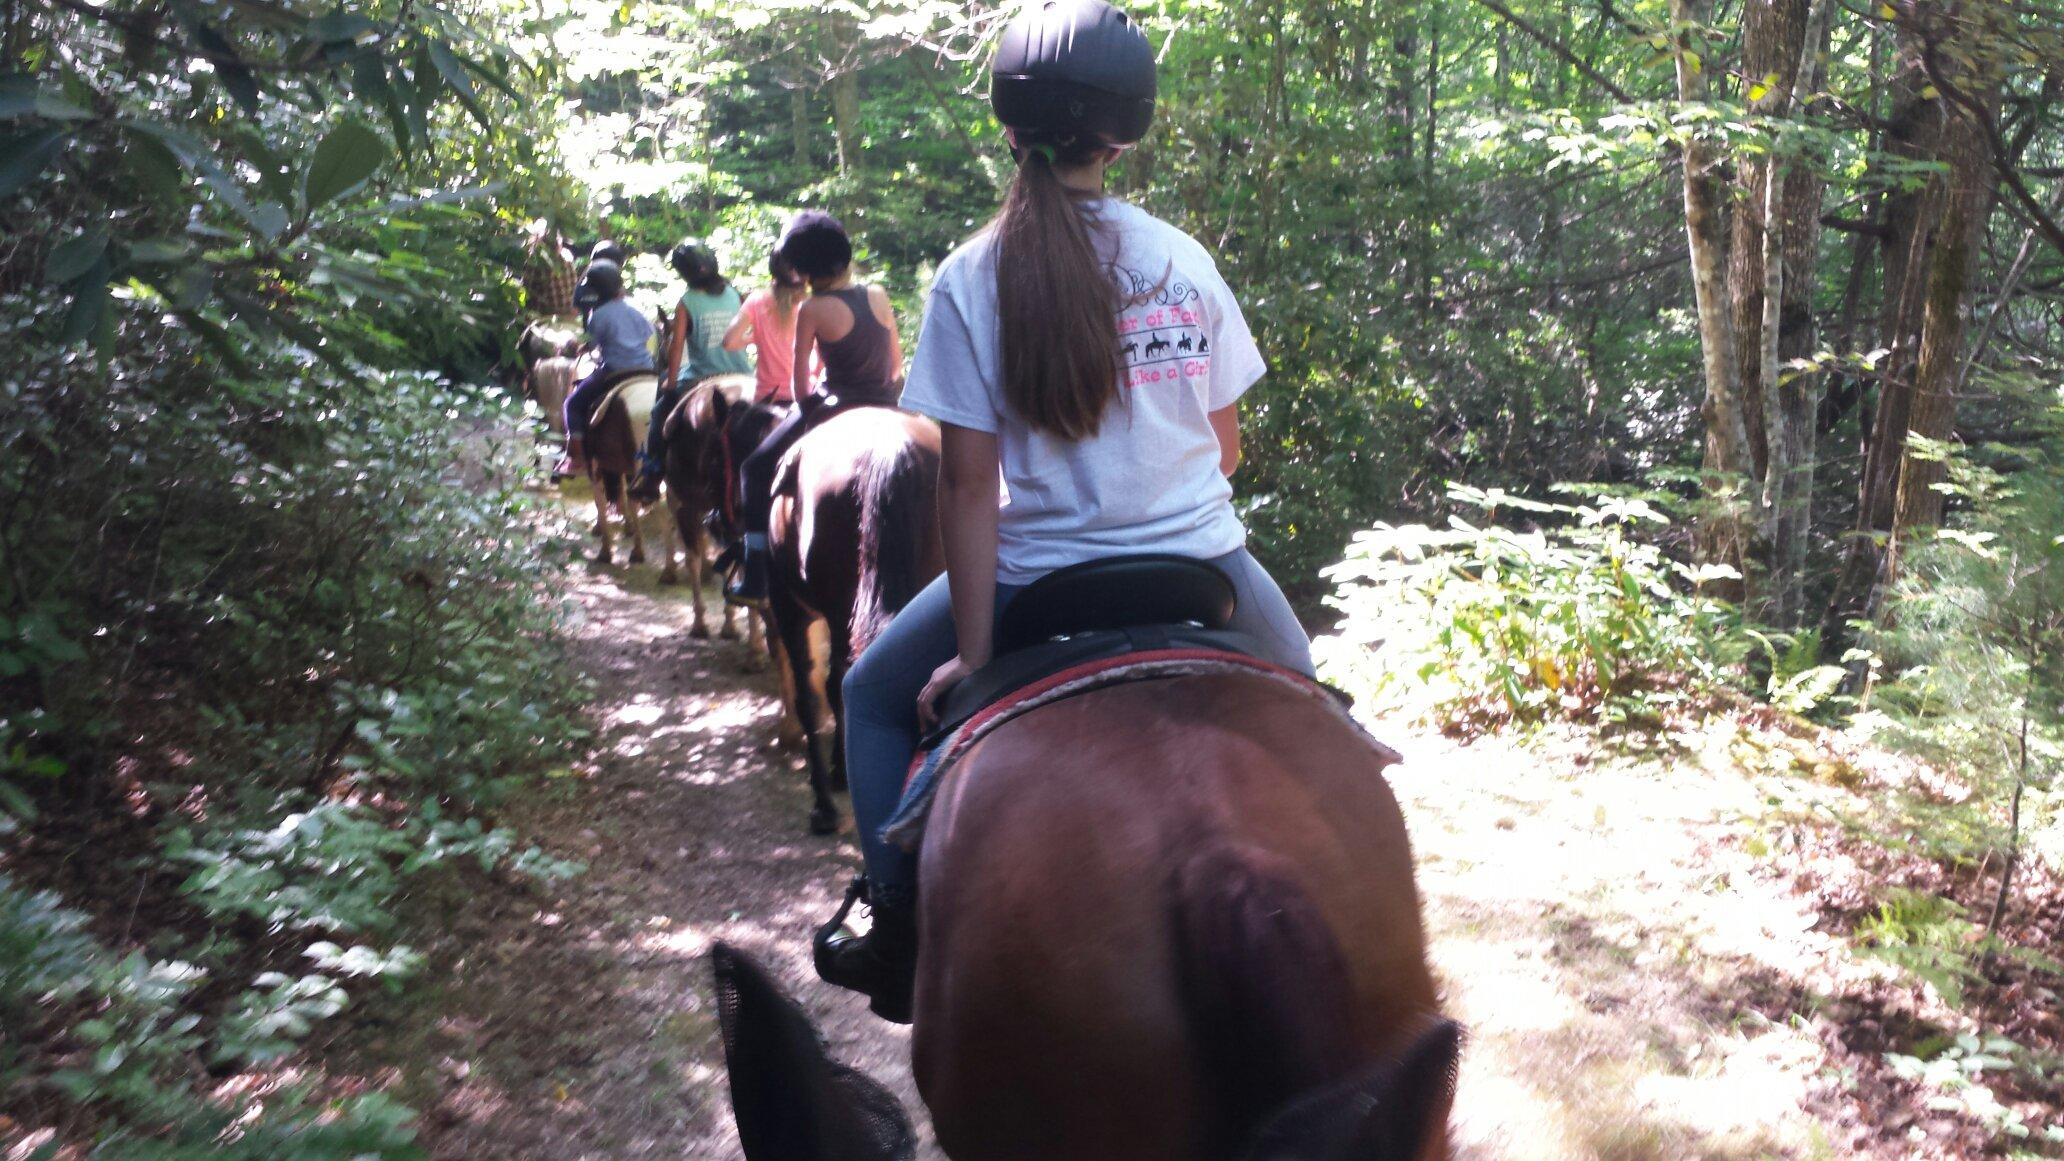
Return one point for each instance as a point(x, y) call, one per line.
point(816, 244)
point(1066, 69)
point(608, 251)
point(605, 278)
point(696, 263)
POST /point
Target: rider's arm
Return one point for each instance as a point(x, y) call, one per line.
point(969, 491)
point(895, 338)
point(676, 343)
point(1225, 423)
point(805, 345)
point(740, 336)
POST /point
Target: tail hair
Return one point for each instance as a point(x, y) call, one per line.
point(1264, 980)
point(898, 490)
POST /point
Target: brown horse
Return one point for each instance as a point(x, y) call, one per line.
point(855, 536)
point(1167, 921)
point(700, 481)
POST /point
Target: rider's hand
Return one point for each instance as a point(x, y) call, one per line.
point(943, 680)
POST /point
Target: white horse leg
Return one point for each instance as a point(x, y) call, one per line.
point(632, 520)
point(604, 554)
point(670, 525)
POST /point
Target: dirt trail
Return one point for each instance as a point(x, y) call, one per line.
point(1596, 926)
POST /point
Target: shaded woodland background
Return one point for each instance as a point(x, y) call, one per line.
point(1664, 356)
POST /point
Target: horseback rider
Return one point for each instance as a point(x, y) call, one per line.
point(767, 324)
point(1023, 361)
point(625, 338)
point(852, 328)
point(695, 350)
point(586, 296)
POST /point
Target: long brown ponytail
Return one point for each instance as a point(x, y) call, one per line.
point(1057, 302)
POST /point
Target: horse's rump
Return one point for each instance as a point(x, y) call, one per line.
point(616, 428)
point(865, 483)
point(1154, 913)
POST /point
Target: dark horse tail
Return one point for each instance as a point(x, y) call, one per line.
point(898, 488)
point(1271, 1005)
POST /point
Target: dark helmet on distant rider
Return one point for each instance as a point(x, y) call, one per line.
point(1066, 70)
point(816, 244)
point(605, 278)
point(609, 251)
point(696, 263)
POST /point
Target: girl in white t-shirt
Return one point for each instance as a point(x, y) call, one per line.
point(1084, 360)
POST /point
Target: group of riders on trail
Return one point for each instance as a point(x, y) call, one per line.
point(1084, 361)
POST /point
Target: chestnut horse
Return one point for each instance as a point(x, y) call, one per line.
point(1173, 920)
point(854, 536)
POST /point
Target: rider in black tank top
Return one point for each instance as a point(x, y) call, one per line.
point(860, 369)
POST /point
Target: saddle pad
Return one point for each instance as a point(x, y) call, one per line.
point(905, 828)
point(638, 392)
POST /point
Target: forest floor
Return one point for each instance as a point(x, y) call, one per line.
point(1642, 975)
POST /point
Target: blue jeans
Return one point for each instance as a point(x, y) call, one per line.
point(881, 689)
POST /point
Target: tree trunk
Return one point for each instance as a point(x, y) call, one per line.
point(1269, 179)
point(1728, 462)
point(1775, 263)
point(1932, 241)
point(799, 124)
point(844, 83)
point(1933, 414)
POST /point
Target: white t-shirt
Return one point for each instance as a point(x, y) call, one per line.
point(1148, 481)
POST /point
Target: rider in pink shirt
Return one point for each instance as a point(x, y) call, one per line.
point(767, 322)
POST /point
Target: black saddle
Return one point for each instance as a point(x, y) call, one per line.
point(1098, 610)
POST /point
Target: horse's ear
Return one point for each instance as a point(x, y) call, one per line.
point(792, 1102)
point(1391, 1111)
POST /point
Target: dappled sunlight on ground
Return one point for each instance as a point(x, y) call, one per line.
point(1626, 970)
point(1614, 953)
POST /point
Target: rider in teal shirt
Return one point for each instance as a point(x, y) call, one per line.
point(695, 349)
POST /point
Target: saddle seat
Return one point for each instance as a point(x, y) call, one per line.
point(1096, 611)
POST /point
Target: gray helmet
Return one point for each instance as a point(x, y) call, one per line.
point(605, 278)
point(1072, 69)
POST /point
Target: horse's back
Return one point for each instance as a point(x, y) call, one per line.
point(1059, 993)
point(617, 428)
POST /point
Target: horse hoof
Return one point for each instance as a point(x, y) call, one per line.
point(727, 633)
point(604, 558)
point(669, 578)
point(699, 632)
point(824, 820)
point(637, 556)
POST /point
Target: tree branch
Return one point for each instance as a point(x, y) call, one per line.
point(1561, 50)
point(2039, 217)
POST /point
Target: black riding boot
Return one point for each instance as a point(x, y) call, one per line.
point(750, 586)
point(882, 965)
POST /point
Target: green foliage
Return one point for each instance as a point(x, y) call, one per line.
point(122, 1027)
point(275, 615)
point(1954, 1069)
point(1974, 661)
point(1582, 617)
